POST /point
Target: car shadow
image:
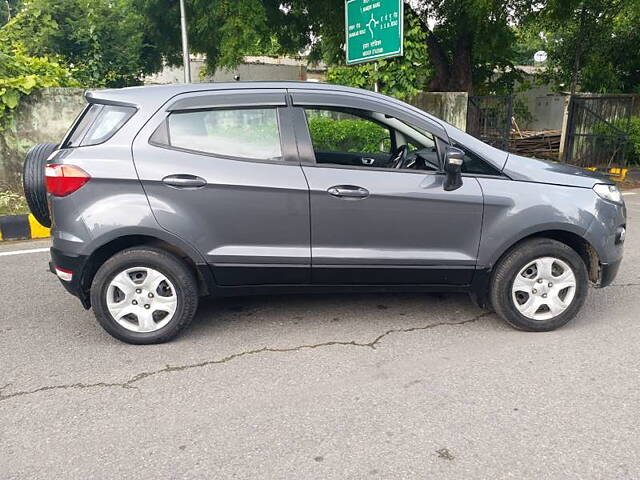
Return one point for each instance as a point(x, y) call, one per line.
point(349, 311)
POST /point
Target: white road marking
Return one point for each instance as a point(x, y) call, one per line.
point(22, 252)
point(630, 193)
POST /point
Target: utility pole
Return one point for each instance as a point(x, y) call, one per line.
point(376, 88)
point(185, 43)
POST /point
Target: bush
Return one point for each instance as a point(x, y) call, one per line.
point(631, 127)
point(12, 203)
point(347, 135)
point(20, 74)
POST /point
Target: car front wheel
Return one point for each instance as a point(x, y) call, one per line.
point(144, 295)
point(540, 285)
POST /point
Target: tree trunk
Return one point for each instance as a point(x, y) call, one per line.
point(449, 75)
point(462, 80)
point(440, 62)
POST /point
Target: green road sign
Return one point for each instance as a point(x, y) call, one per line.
point(374, 29)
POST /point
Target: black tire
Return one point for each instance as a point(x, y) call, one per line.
point(510, 266)
point(174, 268)
point(35, 190)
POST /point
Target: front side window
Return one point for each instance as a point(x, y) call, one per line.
point(335, 131)
point(361, 138)
point(245, 133)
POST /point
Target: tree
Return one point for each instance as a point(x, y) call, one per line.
point(8, 10)
point(103, 40)
point(469, 40)
point(20, 75)
point(464, 41)
point(224, 30)
point(592, 44)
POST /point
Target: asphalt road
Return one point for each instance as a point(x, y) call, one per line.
point(327, 387)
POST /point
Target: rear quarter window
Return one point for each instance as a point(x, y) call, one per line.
point(244, 133)
point(97, 123)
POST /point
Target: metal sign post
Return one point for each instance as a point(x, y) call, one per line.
point(185, 43)
point(374, 29)
point(376, 88)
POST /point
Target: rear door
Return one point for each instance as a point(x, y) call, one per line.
point(221, 171)
point(382, 225)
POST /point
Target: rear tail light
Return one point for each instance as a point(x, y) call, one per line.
point(62, 180)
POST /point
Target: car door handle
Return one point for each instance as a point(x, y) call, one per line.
point(348, 191)
point(184, 181)
point(368, 160)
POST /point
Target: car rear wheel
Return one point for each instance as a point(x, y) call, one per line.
point(35, 190)
point(540, 285)
point(144, 295)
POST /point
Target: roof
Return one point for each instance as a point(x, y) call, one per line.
point(143, 94)
point(152, 97)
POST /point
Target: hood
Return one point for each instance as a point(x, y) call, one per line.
point(544, 171)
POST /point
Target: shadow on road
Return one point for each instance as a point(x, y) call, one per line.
point(348, 311)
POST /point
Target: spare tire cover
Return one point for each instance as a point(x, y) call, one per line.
point(33, 181)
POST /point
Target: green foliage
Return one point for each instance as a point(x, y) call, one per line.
point(399, 77)
point(8, 10)
point(224, 30)
point(592, 44)
point(20, 74)
point(12, 203)
point(528, 40)
point(629, 126)
point(633, 129)
point(103, 40)
point(347, 135)
point(454, 45)
point(476, 37)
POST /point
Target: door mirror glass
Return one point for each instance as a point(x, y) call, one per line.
point(453, 160)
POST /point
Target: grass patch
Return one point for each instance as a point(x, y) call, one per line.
point(12, 203)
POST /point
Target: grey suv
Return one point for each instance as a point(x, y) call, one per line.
point(160, 195)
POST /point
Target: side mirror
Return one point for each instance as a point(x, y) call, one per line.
point(453, 160)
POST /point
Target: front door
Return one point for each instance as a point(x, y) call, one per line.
point(389, 221)
point(221, 171)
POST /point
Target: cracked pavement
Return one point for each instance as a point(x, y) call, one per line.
point(327, 386)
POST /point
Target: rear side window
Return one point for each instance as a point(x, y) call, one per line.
point(245, 133)
point(97, 124)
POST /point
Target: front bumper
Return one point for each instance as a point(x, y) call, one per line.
point(75, 264)
point(604, 235)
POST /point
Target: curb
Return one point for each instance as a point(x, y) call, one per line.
point(21, 227)
point(616, 174)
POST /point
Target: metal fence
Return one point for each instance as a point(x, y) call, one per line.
point(597, 130)
point(489, 119)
